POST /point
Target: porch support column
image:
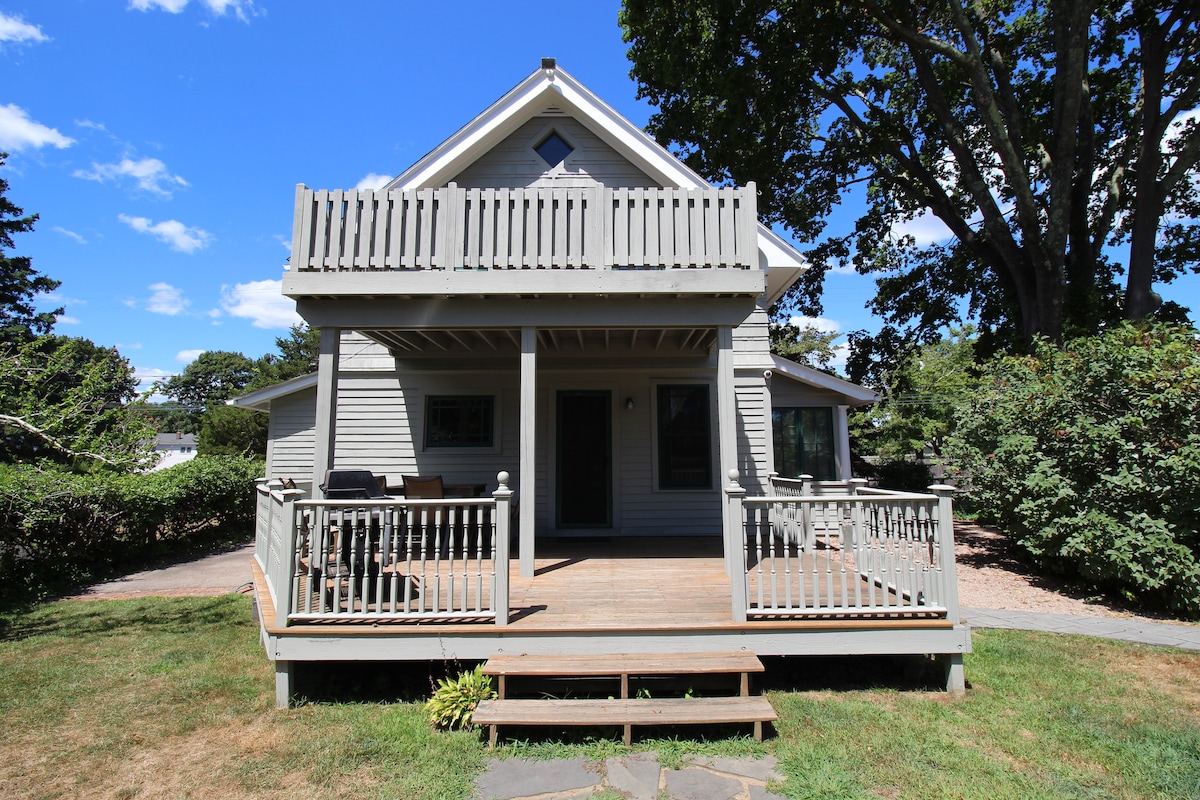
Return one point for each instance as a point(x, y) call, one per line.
point(327, 383)
point(528, 495)
point(727, 434)
point(842, 433)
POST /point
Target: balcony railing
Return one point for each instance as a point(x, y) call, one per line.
point(452, 228)
point(810, 551)
point(385, 560)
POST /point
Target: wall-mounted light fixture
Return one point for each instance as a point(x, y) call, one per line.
point(629, 404)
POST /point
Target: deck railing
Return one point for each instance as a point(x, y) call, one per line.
point(379, 560)
point(536, 228)
point(860, 552)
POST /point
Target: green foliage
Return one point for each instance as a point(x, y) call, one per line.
point(69, 400)
point(168, 417)
point(919, 399)
point(297, 356)
point(455, 699)
point(19, 281)
point(229, 431)
point(1090, 458)
point(59, 528)
point(803, 344)
point(1041, 135)
point(214, 377)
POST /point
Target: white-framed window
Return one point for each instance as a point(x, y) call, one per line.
point(683, 436)
point(460, 421)
point(804, 442)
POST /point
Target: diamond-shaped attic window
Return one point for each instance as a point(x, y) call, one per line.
point(553, 149)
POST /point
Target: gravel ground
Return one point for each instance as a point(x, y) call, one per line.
point(991, 576)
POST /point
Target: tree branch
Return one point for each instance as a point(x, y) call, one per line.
point(17, 422)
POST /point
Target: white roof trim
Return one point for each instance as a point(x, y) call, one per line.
point(855, 395)
point(556, 87)
point(260, 399)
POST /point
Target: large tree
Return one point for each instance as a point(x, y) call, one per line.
point(1057, 141)
point(68, 400)
point(211, 379)
point(20, 283)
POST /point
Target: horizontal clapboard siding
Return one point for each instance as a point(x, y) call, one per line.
point(513, 163)
point(290, 435)
point(753, 440)
point(381, 427)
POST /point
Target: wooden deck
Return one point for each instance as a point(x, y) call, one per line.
point(606, 584)
point(597, 596)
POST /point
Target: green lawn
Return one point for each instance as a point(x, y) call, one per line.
point(173, 698)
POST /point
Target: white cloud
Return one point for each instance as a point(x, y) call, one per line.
point(65, 300)
point(69, 234)
point(285, 241)
point(134, 346)
point(373, 180)
point(926, 229)
point(63, 319)
point(18, 131)
point(170, 6)
point(15, 29)
point(150, 174)
point(242, 9)
point(87, 123)
point(173, 232)
point(166, 300)
point(148, 375)
point(262, 302)
point(187, 356)
point(822, 324)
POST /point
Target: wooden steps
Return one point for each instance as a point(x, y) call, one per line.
point(625, 711)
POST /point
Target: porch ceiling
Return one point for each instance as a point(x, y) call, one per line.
point(507, 341)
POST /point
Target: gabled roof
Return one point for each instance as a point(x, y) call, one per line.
point(553, 87)
point(260, 399)
point(855, 395)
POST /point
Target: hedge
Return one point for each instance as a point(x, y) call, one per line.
point(60, 529)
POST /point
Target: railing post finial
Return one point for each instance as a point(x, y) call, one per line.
point(734, 475)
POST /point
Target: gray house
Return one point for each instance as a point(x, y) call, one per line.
point(565, 329)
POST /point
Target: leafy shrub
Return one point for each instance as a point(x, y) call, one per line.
point(455, 700)
point(1089, 457)
point(903, 475)
point(59, 528)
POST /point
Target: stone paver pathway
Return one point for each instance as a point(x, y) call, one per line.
point(638, 777)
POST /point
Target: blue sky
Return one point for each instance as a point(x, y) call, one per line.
point(161, 142)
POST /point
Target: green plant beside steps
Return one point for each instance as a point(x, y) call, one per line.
point(455, 700)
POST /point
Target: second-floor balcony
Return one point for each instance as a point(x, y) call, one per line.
point(545, 241)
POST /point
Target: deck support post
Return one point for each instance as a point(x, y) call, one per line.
point(283, 683)
point(326, 424)
point(735, 536)
point(946, 564)
point(503, 496)
point(726, 424)
point(956, 680)
point(528, 499)
point(841, 434)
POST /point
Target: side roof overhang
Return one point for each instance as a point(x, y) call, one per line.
point(553, 87)
point(260, 399)
point(855, 395)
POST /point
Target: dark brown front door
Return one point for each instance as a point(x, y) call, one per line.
point(584, 470)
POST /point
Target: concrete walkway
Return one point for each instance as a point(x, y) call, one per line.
point(1163, 634)
point(219, 573)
